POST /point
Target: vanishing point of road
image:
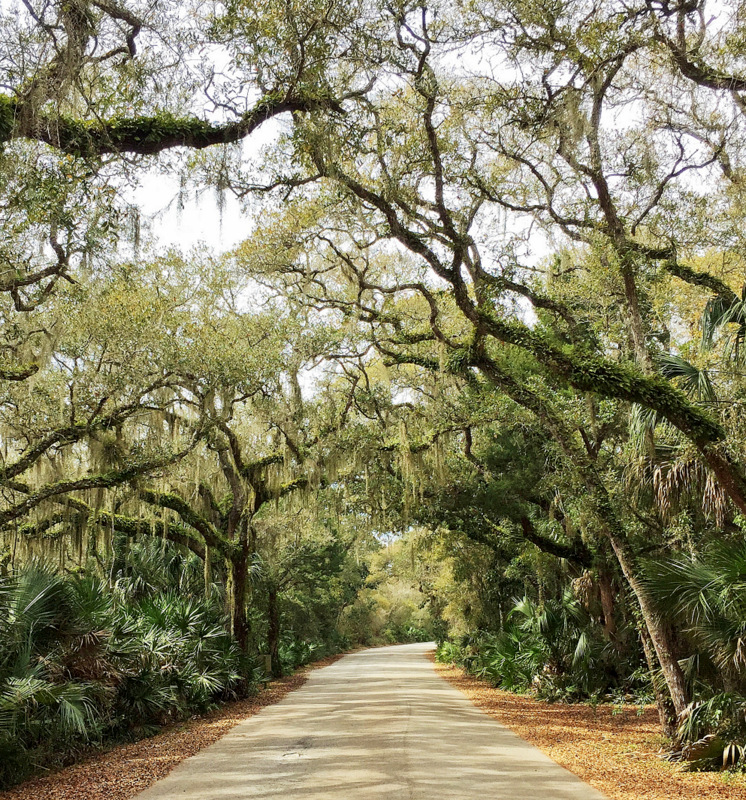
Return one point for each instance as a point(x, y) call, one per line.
point(376, 724)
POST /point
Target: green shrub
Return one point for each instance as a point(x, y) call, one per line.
point(552, 649)
point(713, 732)
point(82, 663)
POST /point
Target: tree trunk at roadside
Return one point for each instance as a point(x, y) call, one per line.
point(660, 635)
point(273, 632)
point(239, 611)
point(666, 712)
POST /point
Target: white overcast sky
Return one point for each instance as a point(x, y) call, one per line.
point(200, 220)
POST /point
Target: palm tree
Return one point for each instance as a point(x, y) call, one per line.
point(707, 592)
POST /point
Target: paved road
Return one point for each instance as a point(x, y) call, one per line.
point(376, 724)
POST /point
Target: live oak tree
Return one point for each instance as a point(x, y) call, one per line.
point(94, 90)
point(308, 570)
point(93, 78)
point(432, 159)
point(430, 152)
point(215, 385)
point(102, 407)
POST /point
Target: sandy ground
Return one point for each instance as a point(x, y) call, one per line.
point(615, 752)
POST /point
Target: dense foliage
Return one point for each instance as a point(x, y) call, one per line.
point(477, 369)
point(82, 662)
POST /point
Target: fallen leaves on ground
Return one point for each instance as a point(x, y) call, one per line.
point(615, 750)
point(124, 770)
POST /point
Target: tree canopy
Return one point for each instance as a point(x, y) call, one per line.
point(481, 351)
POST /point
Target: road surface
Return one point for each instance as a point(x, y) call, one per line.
point(376, 724)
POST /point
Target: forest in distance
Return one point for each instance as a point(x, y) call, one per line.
point(475, 373)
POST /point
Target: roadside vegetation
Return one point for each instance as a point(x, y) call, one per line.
point(87, 662)
point(476, 370)
point(83, 662)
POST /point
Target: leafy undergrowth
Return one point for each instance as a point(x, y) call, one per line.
point(617, 752)
point(125, 770)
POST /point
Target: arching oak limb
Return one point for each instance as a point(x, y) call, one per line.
point(698, 278)
point(72, 433)
point(583, 370)
point(577, 552)
point(19, 373)
point(146, 135)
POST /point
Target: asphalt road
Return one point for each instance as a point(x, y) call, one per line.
point(376, 724)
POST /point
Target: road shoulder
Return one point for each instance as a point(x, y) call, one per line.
point(614, 751)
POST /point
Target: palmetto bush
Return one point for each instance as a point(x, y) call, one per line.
point(152, 566)
point(40, 700)
point(177, 658)
point(706, 595)
point(295, 652)
point(713, 732)
point(508, 659)
point(81, 662)
point(553, 648)
point(449, 652)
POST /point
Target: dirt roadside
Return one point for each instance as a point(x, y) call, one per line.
point(616, 752)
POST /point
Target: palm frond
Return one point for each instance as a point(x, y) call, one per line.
point(708, 593)
point(720, 312)
point(642, 422)
point(582, 649)
point(693, 381)
point(682, 475)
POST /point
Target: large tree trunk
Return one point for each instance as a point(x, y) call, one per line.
point(666, 712)
point(239, 600)
point(273, 632)
point(660, 634)
point(606, 592)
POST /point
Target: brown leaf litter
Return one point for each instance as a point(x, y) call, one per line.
point(616, 750)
